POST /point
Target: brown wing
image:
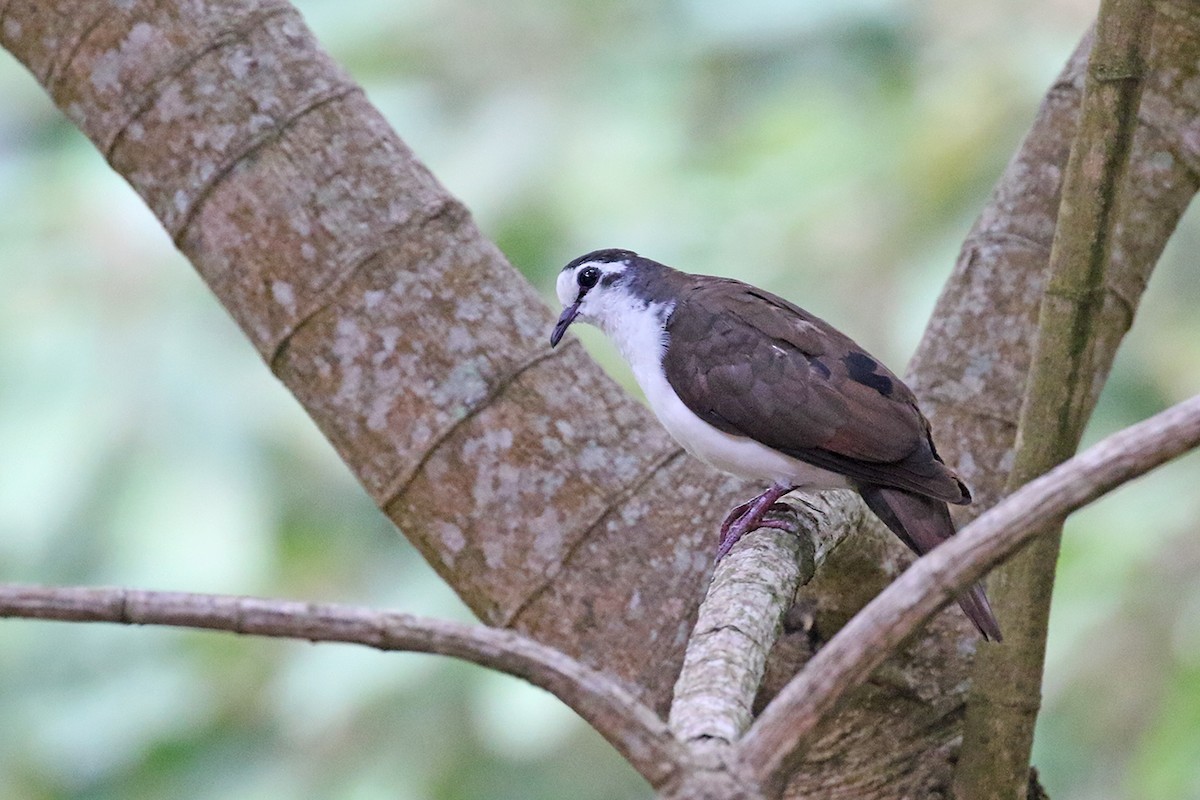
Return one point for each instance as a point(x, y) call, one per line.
point(752, 364)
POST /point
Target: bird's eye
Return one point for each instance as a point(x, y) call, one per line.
point(588, 277)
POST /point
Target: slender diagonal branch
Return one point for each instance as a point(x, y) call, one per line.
point(631, 727)
point(742, 617)
point(776, 741)
point(1006, 681)
point(738, 622)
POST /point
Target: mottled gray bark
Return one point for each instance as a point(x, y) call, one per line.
point(743, 615)
point(550, 501)
point(545, 496)
point(970, 368)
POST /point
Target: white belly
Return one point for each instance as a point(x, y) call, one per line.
point(734, 454)
point(637, 331)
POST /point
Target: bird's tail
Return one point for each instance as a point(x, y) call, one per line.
point(923, 523)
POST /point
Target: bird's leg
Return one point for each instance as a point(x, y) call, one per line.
point(749, 516)
point(738, 511)
point(732, 516)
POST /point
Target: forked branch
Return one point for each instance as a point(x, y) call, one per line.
point(779, 736)
point(777, 739)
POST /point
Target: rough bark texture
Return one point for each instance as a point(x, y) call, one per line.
point(525, 475)
point(548, 499)
point(742, 617)
point(737, 625)
point(970, 368)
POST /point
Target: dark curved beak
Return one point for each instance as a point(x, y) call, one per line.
point(564, 322)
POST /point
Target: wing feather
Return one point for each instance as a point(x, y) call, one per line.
point(752, 364)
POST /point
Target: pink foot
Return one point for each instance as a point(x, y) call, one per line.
point(749, 516)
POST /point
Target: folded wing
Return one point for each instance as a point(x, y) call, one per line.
point(761, 367)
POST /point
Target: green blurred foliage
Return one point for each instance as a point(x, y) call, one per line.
point(835, 153)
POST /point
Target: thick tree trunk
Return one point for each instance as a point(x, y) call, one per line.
point(545, 496)
point(549, 500)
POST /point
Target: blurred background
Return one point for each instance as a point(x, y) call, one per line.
point(834, 152)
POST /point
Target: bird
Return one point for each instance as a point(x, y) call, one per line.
point(756, 386)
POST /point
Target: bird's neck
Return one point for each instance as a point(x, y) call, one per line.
point(638, 329)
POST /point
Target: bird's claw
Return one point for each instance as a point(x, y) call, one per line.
point(752, 515)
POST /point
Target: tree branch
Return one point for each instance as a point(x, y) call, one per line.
point(776, 740)
point(353, 271)
point(630, 726)
point(742, 617)
point(1006, 681)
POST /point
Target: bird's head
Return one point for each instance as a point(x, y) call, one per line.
point(594, 288)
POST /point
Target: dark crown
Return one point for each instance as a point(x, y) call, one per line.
point(607, 256)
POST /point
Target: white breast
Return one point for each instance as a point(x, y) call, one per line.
point(641, 338)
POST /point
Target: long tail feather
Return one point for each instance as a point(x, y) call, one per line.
point(923, 523)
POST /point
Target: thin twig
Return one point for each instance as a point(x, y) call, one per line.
point(630, 726)
point(776, 740)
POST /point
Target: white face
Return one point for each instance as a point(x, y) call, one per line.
point(569, 285)
point(589, 293)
